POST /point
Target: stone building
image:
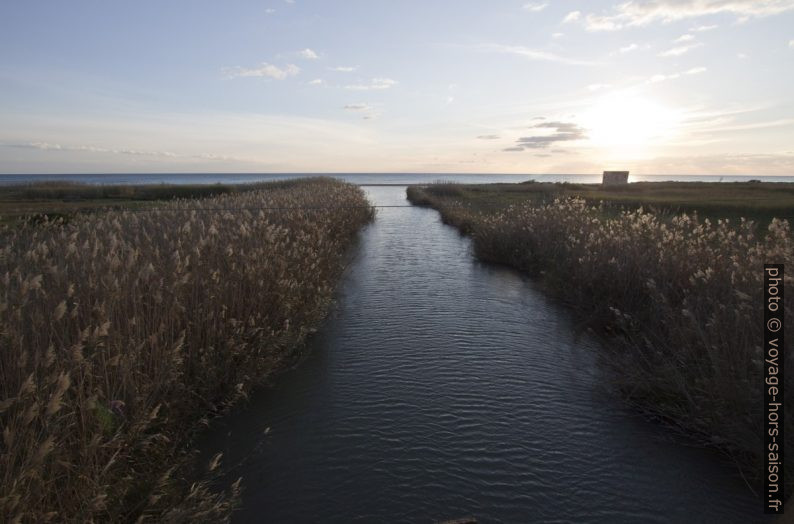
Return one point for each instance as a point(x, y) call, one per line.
point(615, 178)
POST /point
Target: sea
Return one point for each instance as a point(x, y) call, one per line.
point(363, 179)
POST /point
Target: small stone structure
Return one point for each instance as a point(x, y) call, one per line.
point(615, 178)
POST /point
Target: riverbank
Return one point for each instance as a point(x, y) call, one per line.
point(678, 297)
point(122, 331)
point(759, 201)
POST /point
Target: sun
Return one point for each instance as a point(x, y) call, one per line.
point(629, 124)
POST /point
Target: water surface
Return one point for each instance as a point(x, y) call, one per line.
point(439, 388)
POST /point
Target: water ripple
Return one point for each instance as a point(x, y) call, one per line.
point(440, 388)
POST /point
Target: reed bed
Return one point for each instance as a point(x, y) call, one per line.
point(121, 331)
point(680, 299)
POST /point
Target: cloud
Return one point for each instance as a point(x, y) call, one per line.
point(317, 82)
point(791, 44)
point(368, 111)
point(598, 87)
point(344, 69)
point(264, 70)
point(573, 16)
point(703, 28)
point(628, 49)
point(557, 35)
point(738, 164)
point(269, 11)
point(683, 38)
point(679, 50)
point(358, 107)
point(308, 54)
point(532, 54)
point(374, 84)
point(534, 7)
point(644, 12)
point(562, 132)
point(47, 146)
point(672, 76)
point(488, 137)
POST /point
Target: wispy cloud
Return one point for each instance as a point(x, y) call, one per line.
point(704, 28)
point(344, 69)
point(488, 137)
point(791, 44)
point(358, 107)
point(48, 146)
point(561, 132)
point(264, 70)
point(535, 6)
point(644, 12)
point(762, 163)
point(655, 79)
point(308, 54)
point(684, 38)
point(368, 111)
point(573, 16)
point(679, 50)
point(317, 82)
point(532, 54)
point(374, 84)
point(628, 49)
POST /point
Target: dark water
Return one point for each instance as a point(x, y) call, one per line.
point(358, 178)
point(440, 388)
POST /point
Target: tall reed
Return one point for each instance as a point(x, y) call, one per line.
point(119, 331)
point(680, 298)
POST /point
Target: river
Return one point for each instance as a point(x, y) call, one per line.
point(441, 387)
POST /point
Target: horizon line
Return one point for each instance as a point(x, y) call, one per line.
point(371, 173)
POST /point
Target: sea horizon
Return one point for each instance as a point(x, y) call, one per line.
point(365, 178)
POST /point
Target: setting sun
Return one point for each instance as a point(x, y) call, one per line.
point(629, 124)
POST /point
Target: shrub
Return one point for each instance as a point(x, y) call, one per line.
point(120, 330)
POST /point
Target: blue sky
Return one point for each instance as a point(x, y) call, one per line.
point(566, 86)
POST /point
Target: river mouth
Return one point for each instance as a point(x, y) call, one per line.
point(441, 387)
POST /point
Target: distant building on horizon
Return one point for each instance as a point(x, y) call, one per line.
point(615, 178)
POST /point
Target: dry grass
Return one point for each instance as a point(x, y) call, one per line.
point(680, 299)
point(714, 200)
point(119, 331)
point(66, 199)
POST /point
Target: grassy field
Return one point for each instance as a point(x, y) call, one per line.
point(757, 201)
point(121, 331)
point(65, 199)
point(677, 297)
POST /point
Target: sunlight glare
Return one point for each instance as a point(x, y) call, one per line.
point(629, 124)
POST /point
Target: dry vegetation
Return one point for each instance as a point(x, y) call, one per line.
point(64, 199)
point(120, 330)
point(762, 201)
point(679, 297)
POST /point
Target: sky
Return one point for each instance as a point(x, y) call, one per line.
point(425, 86)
